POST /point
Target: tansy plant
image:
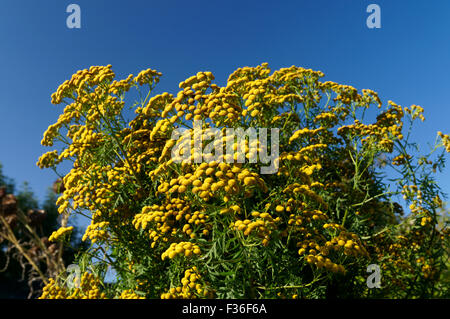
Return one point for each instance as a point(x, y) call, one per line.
point(221, 229)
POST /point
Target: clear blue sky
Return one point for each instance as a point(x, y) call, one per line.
point(407, 60)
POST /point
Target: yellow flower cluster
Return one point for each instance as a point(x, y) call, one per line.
point(315, 253)
point(401, 159)
point(130, 294)
point(148, 76)
point(52, 291)
point(83, 138)
point(299, 155)
point(262, 226)
point(428, 271)
point(345, 93)
point(95, 75)
point(181, 248)
point(89, 289)
point(163, 221)
point(323, 262)
point(388, 127)
point(191, 287)
point(370, 96)
point(304, 132)
point(309, 169)
point(411, 191)
point(48, 159)
point(298, 189)
point(89, 101)
point(160, 214)
point(208, 179)
point(416, 112)
point(328, 119)
point(96, 231)
point(192, 102)
point(445, 140)
point(425, 220)
point(61, 232)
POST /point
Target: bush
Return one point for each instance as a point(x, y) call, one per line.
point(220, 225)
